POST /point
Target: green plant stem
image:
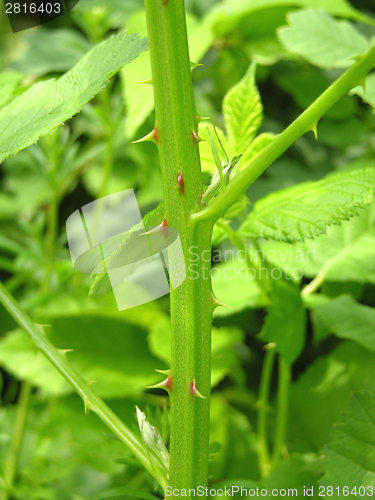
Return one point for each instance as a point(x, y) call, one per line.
point(91, 399)
point(307, 121)
point(313, 285)
point(191, 304)
point(263, 409)
point(282, 410)
point(15, 446)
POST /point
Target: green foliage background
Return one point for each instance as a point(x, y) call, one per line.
point(327, 337)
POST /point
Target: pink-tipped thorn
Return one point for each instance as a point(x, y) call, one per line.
point(194, 391)
point(195, 137)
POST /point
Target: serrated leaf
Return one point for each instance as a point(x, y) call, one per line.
point(243, 112)
point(46, 51)
point(9, 81)
point(305, 210)
point(47, 104)
point(323, 41)
point(350, 457)
point(349, 320)
point(345, 253)
point(285, 320)
point(207, 160)
point(367, 93)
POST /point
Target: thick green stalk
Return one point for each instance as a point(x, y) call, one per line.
point(91, 399)
point(305, 122)
point(191, 303)
point(15, 446)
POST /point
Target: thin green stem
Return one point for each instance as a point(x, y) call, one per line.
point(91, 399)
point(263, 410)
point(191, 304)
point(52, 221)
point(307, 121)
point(282, 411)
point(15, 446)
point(313, 285)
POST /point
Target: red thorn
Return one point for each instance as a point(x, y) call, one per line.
point(194, 391)
point(155, 134)
point(180, 183)
point(195, 137)
point(169, 383)
point(164, 222)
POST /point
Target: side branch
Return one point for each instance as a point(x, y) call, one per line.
point(305, 122)
point(91, 399)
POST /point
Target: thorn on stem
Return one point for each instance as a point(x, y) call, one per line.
point(86, 406)
point(153, 136)
point(315, 130)
point(180, 183)
point(195, 137)
point(148, 81)
point(216, 302)
point(194, 391)
point(64, 351)
point(166, 384)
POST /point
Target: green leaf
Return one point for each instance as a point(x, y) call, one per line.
point(47, 104)
point(367, 93)
point(108, 349)
point(305, 210)
point(323, 391)
point(125, 492)
point(323, 41)
point(349, 320)
point(286, 320)
point(235, 285)
point(345, 253)
point(47, 51)
point(350, 457)
point(207, 161)
point(228, 19)
point(9, 81)
point(243, 112)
